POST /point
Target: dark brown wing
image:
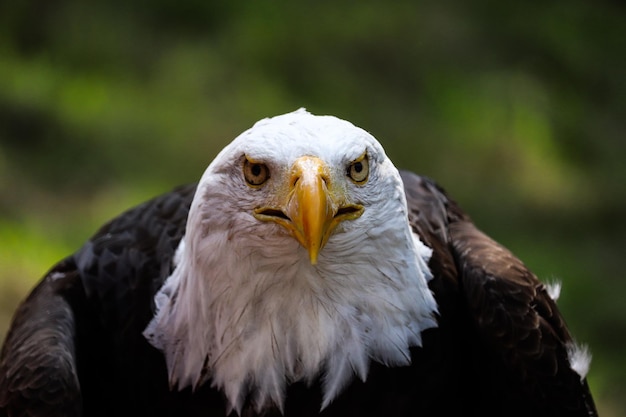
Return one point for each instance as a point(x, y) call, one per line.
point(520, 341)
point(75, 344)
point(38, 375)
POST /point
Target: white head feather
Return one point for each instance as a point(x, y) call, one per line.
point(247, 310)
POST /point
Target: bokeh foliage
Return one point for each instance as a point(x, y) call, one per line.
point(517, 108)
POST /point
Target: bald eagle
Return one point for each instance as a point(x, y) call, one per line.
point(303, 275)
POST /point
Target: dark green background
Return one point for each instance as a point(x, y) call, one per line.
point(517, 108)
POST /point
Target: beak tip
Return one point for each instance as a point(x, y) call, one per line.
point(313, 257)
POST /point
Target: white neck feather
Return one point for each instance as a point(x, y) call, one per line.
point(252, 315)
point(252, 322)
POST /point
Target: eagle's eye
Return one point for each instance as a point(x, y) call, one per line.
point(255, 173)
point(359, 169)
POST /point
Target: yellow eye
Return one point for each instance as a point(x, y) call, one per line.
point(255, 173)
point(359, 170)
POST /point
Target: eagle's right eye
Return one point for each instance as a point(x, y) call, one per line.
point(255, 173)
point(359, 170)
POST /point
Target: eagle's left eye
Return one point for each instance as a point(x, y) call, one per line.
point(255, 173)
point(359, 170)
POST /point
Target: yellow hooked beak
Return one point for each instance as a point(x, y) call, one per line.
point(312, 207)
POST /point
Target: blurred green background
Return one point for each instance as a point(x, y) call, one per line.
point(517, 108)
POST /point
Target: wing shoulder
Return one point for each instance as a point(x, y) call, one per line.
point(128, 259)
point(75, 319)
point(518, 320)
point(38, 360)
point(510, 311)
